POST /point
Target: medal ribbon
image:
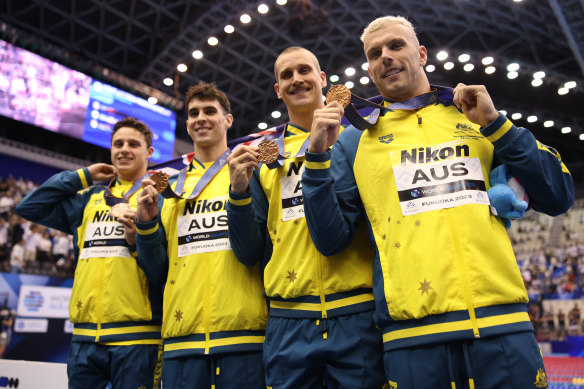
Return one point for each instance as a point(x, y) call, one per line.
point(112, 200)
point(201, 184)
point(441, 93)
point(281, 158)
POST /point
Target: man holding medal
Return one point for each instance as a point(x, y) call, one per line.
point(449, 295)
point(321, 308)
point(214, 309)
point(116, 312)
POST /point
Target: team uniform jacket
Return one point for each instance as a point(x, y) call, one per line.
point(112, 302)
point(267, 224)
point(444, 268)
point(212, 303)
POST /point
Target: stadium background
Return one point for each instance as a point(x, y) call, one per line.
point(534, 74)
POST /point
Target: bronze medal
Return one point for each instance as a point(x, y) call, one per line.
point(119, 209)
point(339, 93)
point(268, 152)
point(160, 181)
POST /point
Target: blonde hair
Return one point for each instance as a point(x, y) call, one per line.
point(386, 20)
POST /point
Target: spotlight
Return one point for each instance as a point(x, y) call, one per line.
point(430, 68)
point(566, 130)
point(181, 67)
point(197, 54)
point(536, 82)
point(168, 81)
point(212, 41)
point(540, 74)
point(516, 116)
point(463, 57)
point(276, 114)
point(548, 123)
point(229, 29)
point(532, 119)
point(442, 55)
point(262, 8)
point(448, 65)
point(512, 75)
point(334, 78)
point(490, 69)
point(468, 67)
point(513, 67)
point(152, 100)
point(262, 126)
point(487, 60)
point(350, 71)
point(364, 80)
point(349, 84)
point(245, 18)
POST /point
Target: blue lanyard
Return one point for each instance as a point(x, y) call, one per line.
point(281, 149)
point(111, 200)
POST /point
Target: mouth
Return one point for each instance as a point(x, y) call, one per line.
point(299, 91)
point(203, 129)
point(392, 72)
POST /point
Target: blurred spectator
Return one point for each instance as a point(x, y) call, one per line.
point(61, 249)
point(574, 320)
point(45, 254)
point(6, 322)
point(32, 241)
point(17, 263)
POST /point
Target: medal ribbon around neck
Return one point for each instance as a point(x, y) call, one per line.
point(362, 124)
point(168, 192)
point(281, 150)
point(112, 200)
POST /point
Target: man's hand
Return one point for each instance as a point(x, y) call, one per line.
point(127, 220)
point(326, 124)
point(241, 162)
point(476, 104)
point(101, 172)
point(147, 202)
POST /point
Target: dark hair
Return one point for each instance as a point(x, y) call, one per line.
point(137, 125)
point(292, 49)
point(205, 91)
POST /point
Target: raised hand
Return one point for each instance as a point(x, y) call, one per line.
point(326, 125)
point(476, 104)
point(241, 163)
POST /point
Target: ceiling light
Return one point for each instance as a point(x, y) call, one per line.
point(563, 91)
point(276, 114)
point(448, 65)
point(581, 136)
point(516, 116)
point(430, 68)
point(566, 130)
point(197, 54)
point(548, 123)
point(570, 84)
point(539, 74)
point(513, 67)
point(350, 71)
point(152, 100)
point(463, 57)
point(512, 75)
point(212, 41)
point(490, 69)
point(263, 9)
point(181, 67)
point(364, 80)
point(503, 112)
point(262, 126)
point(168, 81)
point(536, 82)
point(334, 78)
point(442, 55)
point(487, 60)
point(532, 119)
point(365, 66)
point(281, 2)
point(229, 29)
point(245, 18)
point(349, 84)
point(468, 67)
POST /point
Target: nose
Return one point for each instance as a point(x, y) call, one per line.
point(297, 78)
point(387, 55)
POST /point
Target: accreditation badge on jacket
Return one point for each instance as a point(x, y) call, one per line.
point(291, 185)
point(104, 238)
point(202, 227)
point(437, 177)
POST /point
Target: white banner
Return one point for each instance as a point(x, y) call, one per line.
point(32, 375)
point(31, 325)
point(44, 301)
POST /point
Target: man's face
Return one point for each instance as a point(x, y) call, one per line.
point(299, 82)
point(129, 151)
point(207, 123)
point(396, 62)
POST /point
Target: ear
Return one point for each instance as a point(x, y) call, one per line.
point(228, 121)
point(150, 151)
point(322, 79)
point(423, 55)
point(277, 89)
point(369, 72)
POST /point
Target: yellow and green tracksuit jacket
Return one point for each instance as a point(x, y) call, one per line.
point(444, 267)
point(267, 225)
point(212, 303)
point(112, 301)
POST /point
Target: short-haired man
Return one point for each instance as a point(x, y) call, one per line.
point(116, 312)
point(214, 309)
point(450, 298)
point(321, 308)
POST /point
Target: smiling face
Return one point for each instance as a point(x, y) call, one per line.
point(207, 123)
point(299, 80)
point(396, 62)
point(130, 153)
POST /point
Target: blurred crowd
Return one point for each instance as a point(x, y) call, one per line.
point(26, 247)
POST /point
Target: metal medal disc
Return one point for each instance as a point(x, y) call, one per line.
point(268, 152)
point(118, 209)
point(339, 93)
point(160, 181)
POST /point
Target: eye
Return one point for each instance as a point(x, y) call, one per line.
point(286, 75)
point(210, 111)
point(374, 54)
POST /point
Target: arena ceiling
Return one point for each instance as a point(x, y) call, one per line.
point(136, 44)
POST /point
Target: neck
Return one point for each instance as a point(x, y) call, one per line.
point(131, 176)
point(303, 117)
point(211, 153)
